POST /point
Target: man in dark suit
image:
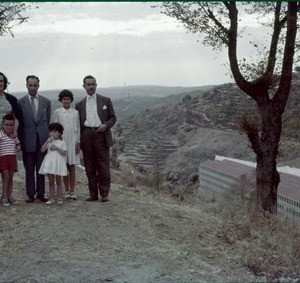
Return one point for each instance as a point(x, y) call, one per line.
point(35, 113)
point(96, 116)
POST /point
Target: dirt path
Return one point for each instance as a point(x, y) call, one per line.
point(136, 237)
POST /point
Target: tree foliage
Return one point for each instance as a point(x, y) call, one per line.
point(10, 16)
point(267, 79)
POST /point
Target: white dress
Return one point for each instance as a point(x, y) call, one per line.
point(69, 118)
point(54, 162)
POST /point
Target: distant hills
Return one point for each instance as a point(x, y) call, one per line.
point(125, 92)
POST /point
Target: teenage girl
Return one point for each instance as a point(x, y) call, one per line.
point(69, 118)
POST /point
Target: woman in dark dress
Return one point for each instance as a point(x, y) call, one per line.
point(8, 104)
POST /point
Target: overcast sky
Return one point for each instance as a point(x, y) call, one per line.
point(121, 43)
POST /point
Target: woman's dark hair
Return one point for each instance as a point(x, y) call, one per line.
point(5, 80)
point(65, 93)
point(56, 127)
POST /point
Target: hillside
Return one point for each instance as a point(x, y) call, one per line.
point(141, 236)
point(197, 127)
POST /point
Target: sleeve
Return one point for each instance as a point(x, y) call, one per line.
point(14, 105)
point(64, 146)
point(49, 112)
point(111, 114)
point(55, 116)
point(78, 127)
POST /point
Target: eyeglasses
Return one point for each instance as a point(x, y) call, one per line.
point(8, 125)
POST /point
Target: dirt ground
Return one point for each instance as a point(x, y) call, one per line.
point(138, 236)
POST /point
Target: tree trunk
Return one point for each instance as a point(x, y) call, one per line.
point(267, 176)
point(267, 181)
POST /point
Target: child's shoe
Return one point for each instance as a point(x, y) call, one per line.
point(50, 201)
point(67, 195)
point(5, 202)
point(73, 196)
point(59, 202)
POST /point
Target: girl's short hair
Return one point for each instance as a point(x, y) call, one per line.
point(65, 93)
point(56, 127)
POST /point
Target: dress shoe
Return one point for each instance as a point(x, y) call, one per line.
point(104, 199)
point(91, 199)
point(42, 198)
point(30, 199)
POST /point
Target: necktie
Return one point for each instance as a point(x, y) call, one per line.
point(33, 106)
point(93, 110)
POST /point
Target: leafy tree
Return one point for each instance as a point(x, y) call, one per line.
point(10, 16)
point(267, 81)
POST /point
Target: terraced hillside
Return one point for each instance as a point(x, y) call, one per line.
point(197, 128)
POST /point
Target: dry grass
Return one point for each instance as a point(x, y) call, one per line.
point(143, 236)
point(268, 243)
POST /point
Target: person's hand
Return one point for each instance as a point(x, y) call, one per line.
point(13, 135)
point(77, 148)
point(50, 140)
point(54, 147)
point(102, 128)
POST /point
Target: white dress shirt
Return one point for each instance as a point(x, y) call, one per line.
point(92, 118)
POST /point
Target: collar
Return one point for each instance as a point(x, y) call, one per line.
point(91, 96)
point(29, 96)
point(66, 110)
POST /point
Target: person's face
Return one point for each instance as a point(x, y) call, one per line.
point(1, 83)
point(8, 126)
point(66, 102)
point(55, 134)
point(90, 86)
point(32, 86)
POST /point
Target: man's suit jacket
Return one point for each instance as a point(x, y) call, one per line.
point(31, 127)
point(106, 114)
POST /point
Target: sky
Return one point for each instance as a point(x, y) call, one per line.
point(119, 43)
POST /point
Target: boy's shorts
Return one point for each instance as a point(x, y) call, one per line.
point(8, 162)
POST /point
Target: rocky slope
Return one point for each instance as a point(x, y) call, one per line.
point(183, 134)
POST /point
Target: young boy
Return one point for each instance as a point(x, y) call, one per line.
point(8, 158)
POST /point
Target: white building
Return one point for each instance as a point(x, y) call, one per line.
point(223, 173)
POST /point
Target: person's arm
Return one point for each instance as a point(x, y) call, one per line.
point(18, 144)
point(49, 112)
point(45, 145)
point(55, 118)
point(77, 146)
point(62, 151)
point(16, 127)
point(111, 115)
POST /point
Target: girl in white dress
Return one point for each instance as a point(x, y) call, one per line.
point(54, 163)
point(69, 118)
